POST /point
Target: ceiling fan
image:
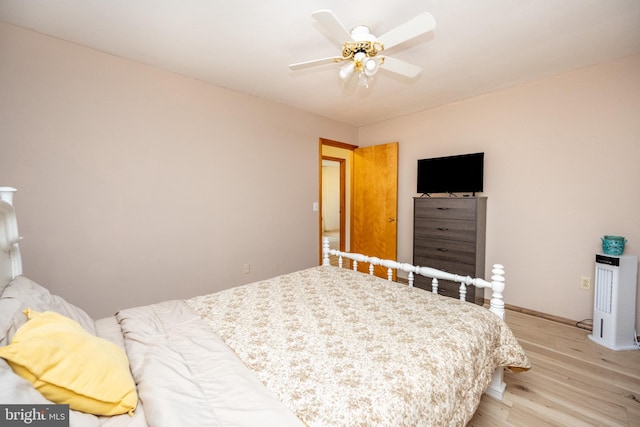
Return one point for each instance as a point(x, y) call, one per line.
point(361, 50)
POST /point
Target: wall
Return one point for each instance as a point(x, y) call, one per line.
point(138, 185)
point(562, 168)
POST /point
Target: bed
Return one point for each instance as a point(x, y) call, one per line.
point(324, 346)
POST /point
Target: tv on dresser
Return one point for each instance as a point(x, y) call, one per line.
point(451, 174)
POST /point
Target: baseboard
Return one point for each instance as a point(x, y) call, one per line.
point(542, 315)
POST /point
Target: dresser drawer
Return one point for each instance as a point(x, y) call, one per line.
point(454, 267)
point(446, 229)
point(446, 250)
point(446, 287)
point(448, 208)
point(451, 289)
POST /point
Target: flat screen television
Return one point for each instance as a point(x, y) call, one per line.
point(451, 174)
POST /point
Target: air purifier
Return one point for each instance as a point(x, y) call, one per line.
point(614, 306)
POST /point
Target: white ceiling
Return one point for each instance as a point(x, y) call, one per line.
point(246, 45)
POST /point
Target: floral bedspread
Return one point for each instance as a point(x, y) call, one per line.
point(344, 348)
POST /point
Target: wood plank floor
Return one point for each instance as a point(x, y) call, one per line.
point(573, 381)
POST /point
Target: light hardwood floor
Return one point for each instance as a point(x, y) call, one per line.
point(573, 381)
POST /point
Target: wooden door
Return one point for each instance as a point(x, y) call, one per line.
point(375, 203)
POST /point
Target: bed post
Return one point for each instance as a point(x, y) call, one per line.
point(6, 194)
point(12, 265)
point(497, 386)
point(497, 286)
point(325, 251)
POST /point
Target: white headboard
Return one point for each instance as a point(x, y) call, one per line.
point(10, 261)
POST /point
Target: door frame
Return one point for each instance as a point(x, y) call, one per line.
point(331, 143)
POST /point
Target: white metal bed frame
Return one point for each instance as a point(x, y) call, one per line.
point(497, 386)
point(496, 284)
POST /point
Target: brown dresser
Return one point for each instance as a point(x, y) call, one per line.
point(449, 234)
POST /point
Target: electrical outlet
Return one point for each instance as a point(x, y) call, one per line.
point(585, 283)
point(246, 268)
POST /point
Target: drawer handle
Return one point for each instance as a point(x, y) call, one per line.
point(443, 249)
point(442, 229)
point(443, 209)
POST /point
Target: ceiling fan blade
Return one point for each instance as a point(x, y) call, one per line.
point(332, 25)
point(401, 67)
point(314, 63)
point(415, 27)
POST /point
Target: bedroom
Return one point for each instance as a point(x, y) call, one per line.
point(150, 177)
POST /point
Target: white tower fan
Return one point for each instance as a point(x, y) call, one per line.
point(614, 306)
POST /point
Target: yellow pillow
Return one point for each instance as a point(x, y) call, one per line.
point(70, 366)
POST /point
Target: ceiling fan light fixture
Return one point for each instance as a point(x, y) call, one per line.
point(346, 70)
point(370, 67)
point(364, 66)
point(359, 56)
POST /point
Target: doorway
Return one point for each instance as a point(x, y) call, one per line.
point(339, 157)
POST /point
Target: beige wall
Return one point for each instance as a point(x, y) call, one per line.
point(562, 168)
point(138, 185)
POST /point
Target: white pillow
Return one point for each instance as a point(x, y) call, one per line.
point(23, 293)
